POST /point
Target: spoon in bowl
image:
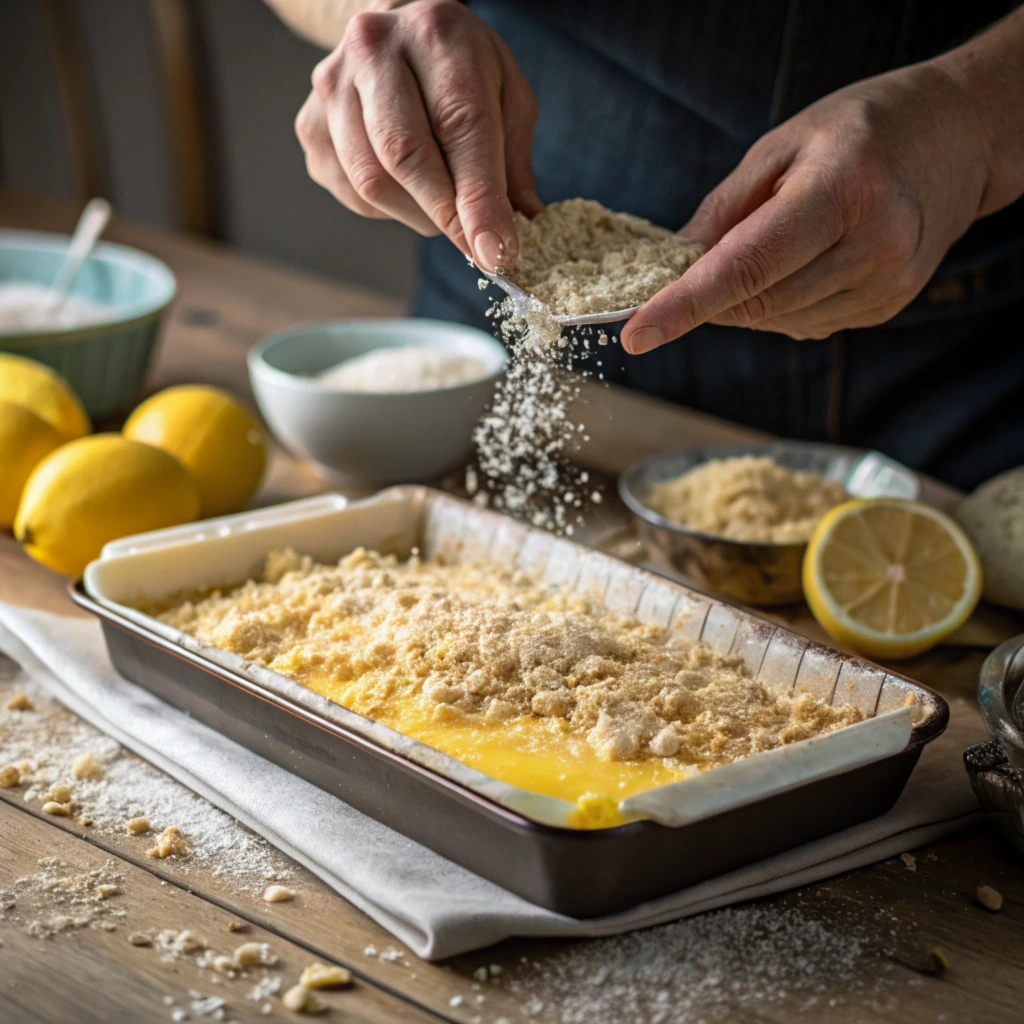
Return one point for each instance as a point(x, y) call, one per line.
point(90, 227)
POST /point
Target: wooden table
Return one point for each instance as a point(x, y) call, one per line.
point(227, 301)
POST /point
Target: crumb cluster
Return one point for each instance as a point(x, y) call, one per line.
point(579, 257)
point(478, 643)
point(747, 498)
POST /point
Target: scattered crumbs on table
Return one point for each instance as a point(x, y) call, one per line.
point(47, 745)
point(989, 898)
point(62, 897)
point(278, 894)
point(938, 961)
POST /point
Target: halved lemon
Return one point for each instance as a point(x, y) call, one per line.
point(890, 578)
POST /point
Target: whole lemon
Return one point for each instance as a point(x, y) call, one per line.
point(95, 490)
point(214, 437)
point(25, 439)
point(44, 391)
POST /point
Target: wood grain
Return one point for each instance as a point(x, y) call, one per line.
point(228, 301)
point(94, 975)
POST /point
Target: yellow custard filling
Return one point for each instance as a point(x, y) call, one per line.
point(537, 754)
point(543, 690)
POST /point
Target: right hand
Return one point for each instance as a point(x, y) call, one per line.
point(422, 115)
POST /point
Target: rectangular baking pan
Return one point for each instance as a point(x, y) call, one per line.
point(437, 801)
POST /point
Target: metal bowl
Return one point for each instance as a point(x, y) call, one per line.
point(996, 768)
point(754, 573)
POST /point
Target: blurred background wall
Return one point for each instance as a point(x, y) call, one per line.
point(180, 112)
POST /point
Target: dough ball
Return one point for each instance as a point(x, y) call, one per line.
point(993, 517)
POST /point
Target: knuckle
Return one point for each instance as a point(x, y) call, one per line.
point(475, 191)
point(304, 127)
point(436, 22)
point(370, 181)
point(368, 32)
point(751, 268)
point(458, 117)
point(446, 217)
point(400, 152)
point(325, 76)
point(754, 310)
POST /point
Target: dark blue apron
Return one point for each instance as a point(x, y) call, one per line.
point(647, 106)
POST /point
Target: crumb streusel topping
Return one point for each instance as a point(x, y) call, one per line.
point(747, 498)
point(479, 646)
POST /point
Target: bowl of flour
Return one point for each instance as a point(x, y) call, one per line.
point(102, 336)
point(377, 402)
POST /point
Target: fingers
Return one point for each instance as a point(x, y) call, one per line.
point(801, 221)
point(322, 162)
point(837, 270)
point(742, 192)
point(392, 118)
point(519, 112)
point(462, 94)
point(841, 312)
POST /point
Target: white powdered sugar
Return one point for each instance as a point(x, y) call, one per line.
point(25, 306)
point(48, 740)
point(402, 369)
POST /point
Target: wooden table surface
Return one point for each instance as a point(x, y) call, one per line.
point(226, 302)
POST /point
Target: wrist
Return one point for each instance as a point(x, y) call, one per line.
point(990, 82)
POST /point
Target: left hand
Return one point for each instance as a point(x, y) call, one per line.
point(837, 218)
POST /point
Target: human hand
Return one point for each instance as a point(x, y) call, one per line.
point(837, 218)
point(422, 115)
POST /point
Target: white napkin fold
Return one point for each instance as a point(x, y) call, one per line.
point(434, 906)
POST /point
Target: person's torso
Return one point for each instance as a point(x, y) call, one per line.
point(647, 106)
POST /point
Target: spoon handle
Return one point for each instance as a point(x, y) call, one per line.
point(91, 225)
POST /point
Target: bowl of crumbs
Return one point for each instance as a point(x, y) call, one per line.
point(375, 402)
point(736, 519)
point(102, 335)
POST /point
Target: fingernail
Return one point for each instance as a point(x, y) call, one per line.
point(645, 339)
point(489, 250)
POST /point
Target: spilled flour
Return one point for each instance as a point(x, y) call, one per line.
point(718, 966)
point(47, 743)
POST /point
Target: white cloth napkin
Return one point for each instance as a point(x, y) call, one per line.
point(434, 906)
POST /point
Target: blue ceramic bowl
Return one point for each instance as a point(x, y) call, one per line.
point(104, 362)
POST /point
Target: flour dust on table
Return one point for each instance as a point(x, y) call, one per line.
point(54, 753)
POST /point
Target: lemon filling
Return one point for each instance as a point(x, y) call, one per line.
point(542, 689)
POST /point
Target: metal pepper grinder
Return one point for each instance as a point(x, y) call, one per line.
point(996, 767)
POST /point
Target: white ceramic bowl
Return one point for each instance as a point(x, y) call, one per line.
point(371, 438)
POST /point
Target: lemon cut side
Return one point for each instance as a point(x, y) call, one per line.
point(890, 578)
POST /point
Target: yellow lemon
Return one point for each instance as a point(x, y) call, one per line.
point(213, 435)
point(45, 392)
point(95, 490)
point(890, 578)
point(25, 439)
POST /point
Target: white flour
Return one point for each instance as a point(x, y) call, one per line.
point(52, 739)
point(402, 369)
point(713, 967)
point(24, 306)
point(525, 441)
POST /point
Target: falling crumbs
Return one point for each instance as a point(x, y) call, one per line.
point(574, 257)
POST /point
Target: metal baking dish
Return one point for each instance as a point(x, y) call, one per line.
point(760, 574)
point(494, 829)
